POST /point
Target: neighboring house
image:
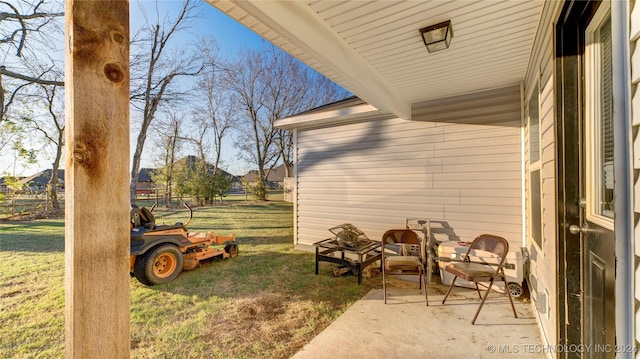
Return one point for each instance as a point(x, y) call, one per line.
point(275, 178)
point(40, 180)
point(250, 178)
point(145, 184)
point(191, 162)
point(510, 130)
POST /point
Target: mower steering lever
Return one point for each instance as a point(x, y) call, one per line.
point(190, 213)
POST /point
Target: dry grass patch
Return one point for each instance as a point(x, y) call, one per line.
point(270, 325)
point(265, 303)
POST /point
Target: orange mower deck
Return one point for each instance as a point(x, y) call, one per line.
point(160, 252)
point(200, 250)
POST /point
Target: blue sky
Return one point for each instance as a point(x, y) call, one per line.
point(229, 34)
point(230, 37)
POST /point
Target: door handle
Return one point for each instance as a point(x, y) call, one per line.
point(574, 229)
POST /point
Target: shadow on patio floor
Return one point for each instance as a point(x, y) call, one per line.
point(406, 328)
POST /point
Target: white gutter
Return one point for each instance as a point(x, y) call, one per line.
point(339, 116)
point(623, 191)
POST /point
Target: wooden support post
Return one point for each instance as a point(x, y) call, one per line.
point(97, 179)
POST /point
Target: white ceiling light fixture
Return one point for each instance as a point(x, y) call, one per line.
point(437, 37)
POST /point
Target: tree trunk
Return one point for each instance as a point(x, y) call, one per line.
point(53, 182)
point(137, 155)
point(2, 91)
point(288, 167)
point(172, 154)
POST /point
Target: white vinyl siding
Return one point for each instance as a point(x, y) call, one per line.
point(459, 162)
point(540, 75)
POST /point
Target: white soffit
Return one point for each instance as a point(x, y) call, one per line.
point(374, 48)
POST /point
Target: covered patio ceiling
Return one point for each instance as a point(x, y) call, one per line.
point(374, 48)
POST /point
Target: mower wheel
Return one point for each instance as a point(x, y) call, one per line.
point(232, 249)
point(159, 265)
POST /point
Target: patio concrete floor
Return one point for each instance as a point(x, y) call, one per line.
point(406, 328)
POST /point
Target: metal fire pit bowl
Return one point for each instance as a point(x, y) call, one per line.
point(349, 236)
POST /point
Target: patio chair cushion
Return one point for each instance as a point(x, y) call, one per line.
point(472, 272)
point(402, 262)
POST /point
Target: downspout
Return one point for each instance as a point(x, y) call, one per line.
point(624, 251)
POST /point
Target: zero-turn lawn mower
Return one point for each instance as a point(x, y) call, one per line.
point(160, 252)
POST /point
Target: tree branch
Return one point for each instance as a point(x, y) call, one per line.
point(15, 15)
point(37, 80)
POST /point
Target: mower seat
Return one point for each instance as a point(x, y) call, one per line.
point(142, 217)
point(147, 217)
point(134, 216)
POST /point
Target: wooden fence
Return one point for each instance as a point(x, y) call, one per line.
point(16, 205)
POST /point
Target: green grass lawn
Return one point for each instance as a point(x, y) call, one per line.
point(265, 303)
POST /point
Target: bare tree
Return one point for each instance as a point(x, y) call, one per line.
point(27, 35)
point(168, 132)
point(217, 113)
point(285, 93)
point(245, 81)
point(55, 110)
point(42, 110)
point(319, 91)
point(30, 36)
point(156, 69)
point(268, 85)
point(291, 88)
point(198, 172)
point(198, 140)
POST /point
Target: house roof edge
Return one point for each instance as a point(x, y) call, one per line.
point(346, 111)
